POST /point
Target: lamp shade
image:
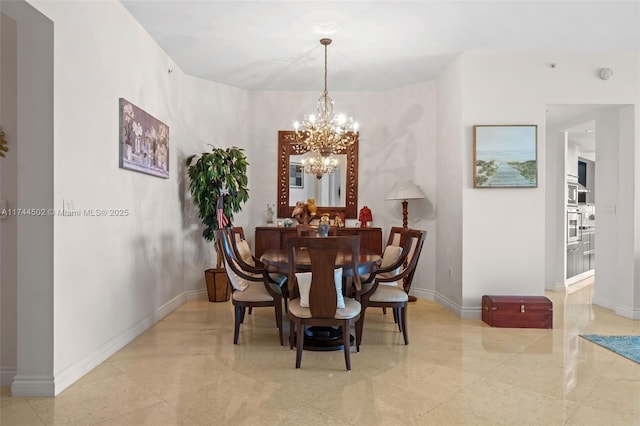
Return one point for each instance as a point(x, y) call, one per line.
point(405, 190)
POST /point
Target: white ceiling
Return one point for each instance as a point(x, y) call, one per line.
point(377, 45)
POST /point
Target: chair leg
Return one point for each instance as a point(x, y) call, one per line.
point(300, 343)
point(278, 306)
point(403, 318)
point(243, 309)
point(238, 321)
point(346, 342)
point(292, 331)
point(358, 336)
point(359, 328)
point(250, 310)
point(395, 315)
point(384, 311)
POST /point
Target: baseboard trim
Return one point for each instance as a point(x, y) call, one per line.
point(6, 375)
point(75, 371)
point(627, 312)
point(196, 295)
point(32, 386)
point(473, 312)
point(51, 386)
point(422, 293)
point(579, 277)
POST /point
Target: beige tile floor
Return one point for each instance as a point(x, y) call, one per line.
point(186, 371)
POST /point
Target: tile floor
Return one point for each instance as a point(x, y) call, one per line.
point(186, 371)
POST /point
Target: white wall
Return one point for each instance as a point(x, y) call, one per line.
point(8, 192)
point(112, 277)
point(399, 146)
point(555, 229)
point(504, 229)
point(615, 216)
point(449, 165)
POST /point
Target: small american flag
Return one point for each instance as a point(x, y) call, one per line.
point(222, 219)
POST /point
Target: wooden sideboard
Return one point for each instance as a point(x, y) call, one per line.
point(269, 237)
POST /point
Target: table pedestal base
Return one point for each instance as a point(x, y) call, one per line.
point(324, 339)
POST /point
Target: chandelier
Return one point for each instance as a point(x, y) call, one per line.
point(326, 133)
point(318, 165)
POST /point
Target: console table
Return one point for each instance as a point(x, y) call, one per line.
point(269, 237)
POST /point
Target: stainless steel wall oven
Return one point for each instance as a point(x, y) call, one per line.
point(574, 226)
point(572, 193)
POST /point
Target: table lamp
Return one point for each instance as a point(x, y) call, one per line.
point(405, 190)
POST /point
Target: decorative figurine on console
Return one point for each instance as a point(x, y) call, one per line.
point(339, 222)
point(301, 213)
point(365, 216)
point(323, 226)
point(270, 212)
point(311, 205)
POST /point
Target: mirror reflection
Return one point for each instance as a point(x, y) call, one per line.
point(327, 191)
point(334, 193)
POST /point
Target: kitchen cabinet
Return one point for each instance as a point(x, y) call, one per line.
point(575, 260)
point(581, 256)
point(589, 250)
point(571, 163)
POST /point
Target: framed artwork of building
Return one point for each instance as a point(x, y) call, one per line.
point(144, 141)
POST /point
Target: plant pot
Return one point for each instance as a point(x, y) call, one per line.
point(218, 288)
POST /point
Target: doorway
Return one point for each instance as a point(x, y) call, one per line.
point(611, 129)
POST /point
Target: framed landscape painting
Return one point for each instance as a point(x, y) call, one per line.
point(505, 156)
point(144, 141)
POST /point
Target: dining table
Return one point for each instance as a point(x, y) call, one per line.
point(321, 338)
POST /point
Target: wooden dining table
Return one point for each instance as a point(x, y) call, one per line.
point(321, 338)
point(277, 260)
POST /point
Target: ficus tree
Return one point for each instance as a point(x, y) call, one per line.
point(222, 172)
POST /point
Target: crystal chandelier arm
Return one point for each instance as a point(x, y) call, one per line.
point(326, 134)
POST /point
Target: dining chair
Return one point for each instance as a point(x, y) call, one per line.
point(392, 257)
point(392, 260)
point(319, 300)
point(394, 296)
point(246, 260)
point(251, 286)
point(303, 230)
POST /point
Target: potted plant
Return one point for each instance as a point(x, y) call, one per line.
point(218, 184)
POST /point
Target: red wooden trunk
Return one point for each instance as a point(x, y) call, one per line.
point(517, 311)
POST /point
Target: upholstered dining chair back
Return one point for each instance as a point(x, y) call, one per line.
point(238, 232)
point(394, 257)
point(241, 247)
point(396, 236)
point(246, 260)
point(416, 240)
point(325, 284)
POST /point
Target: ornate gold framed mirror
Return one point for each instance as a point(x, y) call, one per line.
point(334, 193)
